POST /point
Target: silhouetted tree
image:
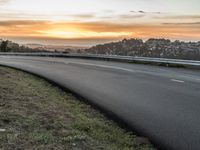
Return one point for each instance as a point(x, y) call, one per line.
point(4, 46)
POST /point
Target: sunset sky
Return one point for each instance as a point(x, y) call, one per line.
point(88, 22)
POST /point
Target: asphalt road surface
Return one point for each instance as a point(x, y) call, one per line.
point(159, 102)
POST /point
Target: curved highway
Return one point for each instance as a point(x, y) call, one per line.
point(159, 102)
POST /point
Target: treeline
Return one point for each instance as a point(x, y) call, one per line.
point(161, 48)
point(9, 46)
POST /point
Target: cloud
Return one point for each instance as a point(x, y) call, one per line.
point(83, 16)
point(131, 16)
point(183, 23)
point(144, 12)
point(3, 1)
point(178, 17)
point(11, 23)
point(25, 15)
point(83, 26)
point(38, 29)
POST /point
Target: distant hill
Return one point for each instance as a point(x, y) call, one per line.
point(9, 46)
point(151, 48)
point(162, 48)
point(54, 47)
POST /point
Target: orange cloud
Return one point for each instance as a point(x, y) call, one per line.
point(3, 1)
point(96, 30)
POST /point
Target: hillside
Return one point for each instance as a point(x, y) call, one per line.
point(151, 48)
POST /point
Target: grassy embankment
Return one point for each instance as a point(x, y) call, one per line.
point(36, 115)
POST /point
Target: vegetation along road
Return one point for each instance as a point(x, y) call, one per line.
point(36, 115)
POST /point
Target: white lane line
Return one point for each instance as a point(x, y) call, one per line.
point(2, 130)
point(179, 81)
point(103, 66)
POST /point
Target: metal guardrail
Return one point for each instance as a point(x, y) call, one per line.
point(146, 60)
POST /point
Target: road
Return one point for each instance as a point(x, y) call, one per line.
point(158, 102)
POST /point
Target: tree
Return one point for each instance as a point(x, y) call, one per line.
point(4, 46)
